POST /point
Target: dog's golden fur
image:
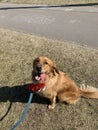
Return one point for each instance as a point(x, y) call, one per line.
point(59, 84)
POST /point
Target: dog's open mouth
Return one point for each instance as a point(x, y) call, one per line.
point(41, 76)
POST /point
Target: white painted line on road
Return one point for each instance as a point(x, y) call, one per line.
point(2, 16)
point(41, 19)
point(68, 9)
point(72, 21)
point(93, 10)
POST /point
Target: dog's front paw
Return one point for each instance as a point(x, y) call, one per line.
point(51, 107)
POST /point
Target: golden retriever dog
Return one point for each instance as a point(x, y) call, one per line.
point(58, 84)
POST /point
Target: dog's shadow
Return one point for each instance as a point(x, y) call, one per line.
point(18, 94)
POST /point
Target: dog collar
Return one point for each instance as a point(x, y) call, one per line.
point(37, 87)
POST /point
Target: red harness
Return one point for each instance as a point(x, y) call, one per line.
point(37, 87)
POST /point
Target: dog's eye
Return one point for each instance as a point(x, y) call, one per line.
point(46, 63)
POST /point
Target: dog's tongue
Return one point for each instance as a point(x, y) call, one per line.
point(41, 77)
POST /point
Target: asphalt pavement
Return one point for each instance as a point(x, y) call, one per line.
point(70, 23)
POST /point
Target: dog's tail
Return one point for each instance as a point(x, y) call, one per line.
point(88, 91)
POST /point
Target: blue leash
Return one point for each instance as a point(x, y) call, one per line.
point(24, 113)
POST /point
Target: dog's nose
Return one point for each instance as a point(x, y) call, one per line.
point(38, 68)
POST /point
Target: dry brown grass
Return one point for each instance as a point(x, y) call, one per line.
point(53, 1)
point(17, 51)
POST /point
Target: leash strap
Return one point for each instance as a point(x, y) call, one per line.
point(24, 113)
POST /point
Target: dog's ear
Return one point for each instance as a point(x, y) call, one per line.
point(55, 69)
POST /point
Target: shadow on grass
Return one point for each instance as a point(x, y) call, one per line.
point(48, 6)
point(18, 94)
